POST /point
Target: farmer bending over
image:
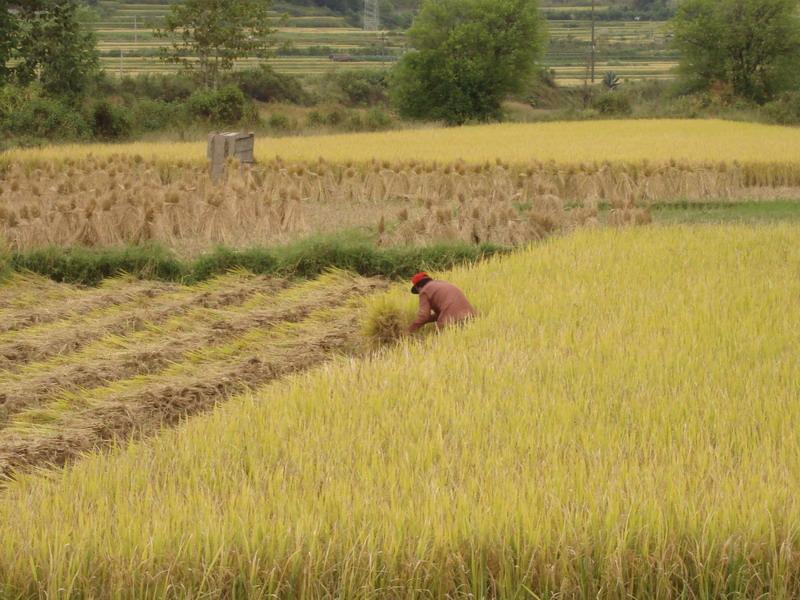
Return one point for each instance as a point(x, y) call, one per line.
point(439, 302)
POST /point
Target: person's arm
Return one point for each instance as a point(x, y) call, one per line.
point(424, 315)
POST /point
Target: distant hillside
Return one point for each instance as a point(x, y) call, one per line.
point(397, 14)
point(631, 37)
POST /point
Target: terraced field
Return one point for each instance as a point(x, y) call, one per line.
point(295, 65)
point(85, 368)
point(632, 49)
point(128, 46)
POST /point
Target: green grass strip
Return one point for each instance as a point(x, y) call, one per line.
point(304, 259)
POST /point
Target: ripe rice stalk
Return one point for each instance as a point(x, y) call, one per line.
point(135, 200)
point(636, 414)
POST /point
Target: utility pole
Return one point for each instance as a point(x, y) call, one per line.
point(135, 29)
point(594, 42)
point(120, 62)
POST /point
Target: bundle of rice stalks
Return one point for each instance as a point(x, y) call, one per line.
point(387, 320)
point(277, 202)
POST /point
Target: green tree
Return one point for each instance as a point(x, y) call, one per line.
point(51, 46)
point(753, 46)
point(213, 34)
point(8, 40)
point(468, 56)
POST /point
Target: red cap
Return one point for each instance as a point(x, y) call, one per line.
point(419, 277)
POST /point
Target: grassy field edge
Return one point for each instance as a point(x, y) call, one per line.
point(303, 259)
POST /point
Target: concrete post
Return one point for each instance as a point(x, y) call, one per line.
point(240, 146)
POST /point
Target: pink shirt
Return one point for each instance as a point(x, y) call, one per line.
point(443, 303)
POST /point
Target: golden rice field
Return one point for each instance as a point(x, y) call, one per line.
point(123, 199)
point(657, 141)
point(119, 200)
point(620, 422)
point(505, 184)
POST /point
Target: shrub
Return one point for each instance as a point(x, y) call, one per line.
point(362, 88)
point(108, 121)
point(14, 97)
point(279, 122)
point(785, 110)
point(154, 115)
point(265, 85)
point(377, 119)
point(315, 119)
point(350, 120)
point(353, 122)
point(168, 88)
point(612, 103)
point(372, 120)
point(47, 118)
point(689, 106)
point(224, 106)
point(335, 117)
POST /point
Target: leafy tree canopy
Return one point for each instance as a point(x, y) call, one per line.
point(47, 43)
point(213, 34)
point(752, 46)
point(8, 38)
point(468, 56)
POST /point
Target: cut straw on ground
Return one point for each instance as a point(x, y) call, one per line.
point(52, 416)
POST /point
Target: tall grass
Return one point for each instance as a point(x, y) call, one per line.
point(5, 261)
point(621, 422)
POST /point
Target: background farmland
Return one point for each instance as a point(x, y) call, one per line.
point(634, 49)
